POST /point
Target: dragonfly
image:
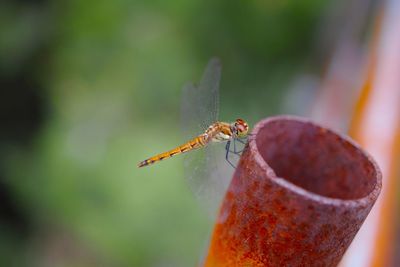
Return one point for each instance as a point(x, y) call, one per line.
point(217, 132)
point(206, 170)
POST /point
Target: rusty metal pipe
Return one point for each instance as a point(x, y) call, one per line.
point(297, 198)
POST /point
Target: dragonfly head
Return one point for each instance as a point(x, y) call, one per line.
point(241, 128)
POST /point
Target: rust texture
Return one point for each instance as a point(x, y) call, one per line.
point(297, 198)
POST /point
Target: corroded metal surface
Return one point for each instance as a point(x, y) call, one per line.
point(298, 197)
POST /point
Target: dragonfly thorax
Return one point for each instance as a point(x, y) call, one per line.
point(222, 131)
point(219, 132)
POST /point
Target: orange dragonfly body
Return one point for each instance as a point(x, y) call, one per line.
point(217, 132)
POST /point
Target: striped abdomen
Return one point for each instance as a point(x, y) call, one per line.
point(195, 143)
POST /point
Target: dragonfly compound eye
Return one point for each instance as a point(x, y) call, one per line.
point(241, 127)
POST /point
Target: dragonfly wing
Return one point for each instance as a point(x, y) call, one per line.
point(205, 169)
point(209, 88)
point(200, 103)
point(208, 176)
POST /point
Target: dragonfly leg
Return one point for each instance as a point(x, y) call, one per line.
point(237, 152)
point(241, 141)
point(228, 144)
point(227, 148)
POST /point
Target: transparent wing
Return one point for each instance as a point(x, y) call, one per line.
point(205, 169)
point(200, 103)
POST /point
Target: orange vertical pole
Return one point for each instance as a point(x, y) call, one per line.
point(376, 127)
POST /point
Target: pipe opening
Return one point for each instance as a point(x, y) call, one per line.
point(316, 159)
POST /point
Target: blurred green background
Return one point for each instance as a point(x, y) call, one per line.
point(90, 88)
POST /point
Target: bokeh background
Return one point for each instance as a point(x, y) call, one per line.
point(90, 88)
